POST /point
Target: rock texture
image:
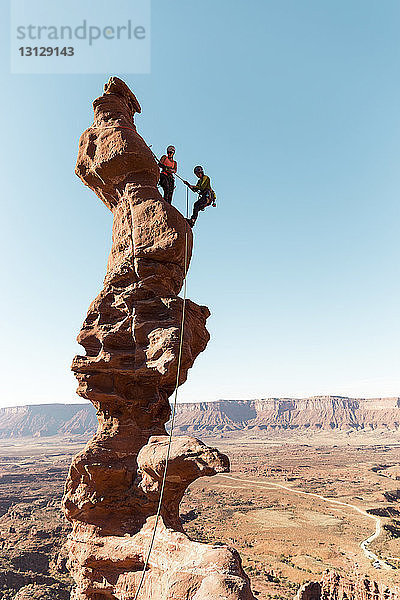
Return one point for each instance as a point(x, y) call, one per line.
point(335, 587)
point(322, 412)
point(40, 592)
point(131, 337)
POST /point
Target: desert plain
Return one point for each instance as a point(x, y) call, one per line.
point(294, 505)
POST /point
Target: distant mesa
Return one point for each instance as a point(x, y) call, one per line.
point(327, 413)
point(45, 420)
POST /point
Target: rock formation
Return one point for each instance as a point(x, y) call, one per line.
point(332, 413)
point(131, 337)
point(335, 587)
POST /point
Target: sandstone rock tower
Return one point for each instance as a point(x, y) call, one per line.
point(131, 338)
point(334, 586)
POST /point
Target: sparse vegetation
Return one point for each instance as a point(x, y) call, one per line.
point(284, 539)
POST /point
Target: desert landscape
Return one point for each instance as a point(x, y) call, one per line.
point(200, 325)
point(294, 505)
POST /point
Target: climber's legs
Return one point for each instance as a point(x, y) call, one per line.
point(167, 183)
point(199, 205)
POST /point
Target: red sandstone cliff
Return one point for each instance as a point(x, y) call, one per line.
point(320, 412)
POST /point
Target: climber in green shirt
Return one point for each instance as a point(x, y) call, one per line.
point(206, 194)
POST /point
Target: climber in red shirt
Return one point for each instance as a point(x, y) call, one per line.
point(168, 167)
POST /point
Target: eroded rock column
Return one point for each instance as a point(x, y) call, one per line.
point(131, 338)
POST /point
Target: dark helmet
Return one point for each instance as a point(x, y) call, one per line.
point(198, 170)
point(171, 148)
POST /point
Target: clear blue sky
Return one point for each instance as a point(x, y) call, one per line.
point(293, 109)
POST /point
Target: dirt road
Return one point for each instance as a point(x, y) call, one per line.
point(377, 562)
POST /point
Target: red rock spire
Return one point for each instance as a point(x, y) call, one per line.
point(131, 337)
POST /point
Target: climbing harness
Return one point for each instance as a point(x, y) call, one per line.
point(158, 514)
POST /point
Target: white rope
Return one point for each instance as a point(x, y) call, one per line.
point(173, 407)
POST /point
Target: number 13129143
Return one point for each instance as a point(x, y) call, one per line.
point(46, 51)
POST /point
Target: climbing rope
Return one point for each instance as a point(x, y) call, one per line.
point(164, 479)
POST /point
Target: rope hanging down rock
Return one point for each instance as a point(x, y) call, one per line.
point(160, 501)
